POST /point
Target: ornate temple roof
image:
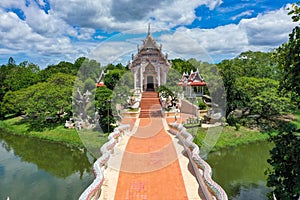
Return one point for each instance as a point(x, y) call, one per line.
point(150, 52)
point(192, 79)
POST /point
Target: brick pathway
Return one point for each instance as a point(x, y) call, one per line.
point(150, 168)
point(149, 164)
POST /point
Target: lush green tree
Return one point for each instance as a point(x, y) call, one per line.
point(45, 104)
point(89, 69)
point(248, 64)
point(15, 102)
point(61, 67)
point(259, 98)
point(11, 61)
point(78, 62)
point(117, 66)
point(122, 92)
point(230, 73)
point(103, 106)
point(112, 77)
point(284, 176)
point(182, 66)
point(87, 76)
point(15, 77)
point(21, 76)
point(173, 78)
point(257, 64)
point(51, 100)
point(288, 57)
point(295, 12)
point(4, 70)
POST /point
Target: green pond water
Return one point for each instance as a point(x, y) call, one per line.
point(34, 169)
point(240, 170)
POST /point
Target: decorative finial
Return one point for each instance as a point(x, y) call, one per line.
point(149, 32)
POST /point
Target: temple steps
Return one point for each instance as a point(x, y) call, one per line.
point(150, 95)
point(150, 105)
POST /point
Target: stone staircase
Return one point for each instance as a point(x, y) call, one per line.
point(150, 105)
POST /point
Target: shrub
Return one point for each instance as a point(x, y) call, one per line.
point(201, 105)
point(232, 119)
point(237, 126)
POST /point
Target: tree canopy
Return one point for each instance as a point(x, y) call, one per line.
point(288, 58)
point(284, 176)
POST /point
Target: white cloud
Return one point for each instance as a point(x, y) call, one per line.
point(206, 43)
point(12, 3)
point(213, 4)
point(119, 15)
point(17, 37)
point(42, 3)
point(46, 35)
point(113, 52)
point(85, 33)
point(262, 33)
point(243, 14)
point(45, 24)
point(270, 29)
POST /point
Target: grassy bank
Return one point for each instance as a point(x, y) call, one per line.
point(229, 137)
point(58, 134)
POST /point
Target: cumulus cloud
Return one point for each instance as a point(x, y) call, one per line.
point(262, 33)
point(45, 24)
point(12, 3)
point(204, 44)
point(40, 34)
point(50, 34)
point(113, 52)
point(243, 14)
point(134, 10)
point(119, 15)
point(270, 29)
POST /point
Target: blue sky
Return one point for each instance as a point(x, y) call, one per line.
point(48, 31)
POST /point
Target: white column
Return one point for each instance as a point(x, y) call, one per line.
point(141, 78)
point(164, 77)
point(158, 76)
point(135, 72)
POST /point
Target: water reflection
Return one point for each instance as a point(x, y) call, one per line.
point(34, 169)
point(240, 170)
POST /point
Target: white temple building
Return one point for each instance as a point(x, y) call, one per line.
point(149, 66)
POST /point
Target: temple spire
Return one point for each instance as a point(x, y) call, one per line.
point(149, 31)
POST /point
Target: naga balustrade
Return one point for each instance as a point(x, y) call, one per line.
point(202, 169)
point(94, 190)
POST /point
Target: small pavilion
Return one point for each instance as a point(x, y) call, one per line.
point(192, 82)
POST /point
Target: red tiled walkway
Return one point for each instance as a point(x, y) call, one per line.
point(150, 168)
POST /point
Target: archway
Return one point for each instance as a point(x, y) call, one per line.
point(150, 83)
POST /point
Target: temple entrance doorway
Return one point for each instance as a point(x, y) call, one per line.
point(150, 83)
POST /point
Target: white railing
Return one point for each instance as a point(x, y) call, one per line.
point(202, 169)
point(94, 190)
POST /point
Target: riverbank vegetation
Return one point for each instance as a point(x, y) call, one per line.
point(229, 137)
point(58, 134)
